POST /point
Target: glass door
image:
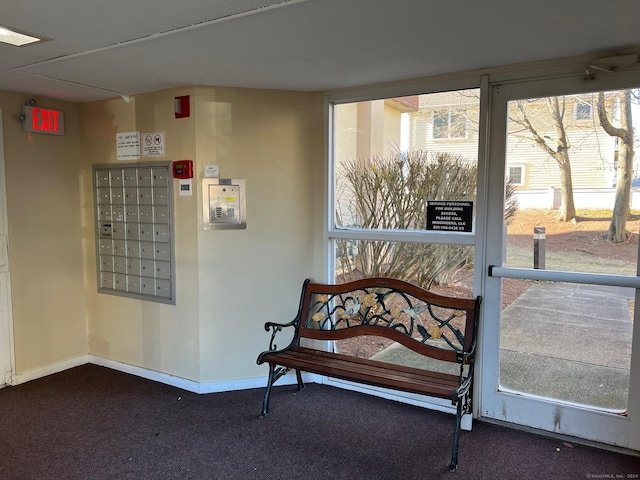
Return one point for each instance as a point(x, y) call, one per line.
point(559, 351)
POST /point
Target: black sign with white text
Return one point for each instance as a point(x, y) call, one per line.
point(450, 215)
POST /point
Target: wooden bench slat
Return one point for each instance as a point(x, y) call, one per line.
point(392, 376)
point(403, 369)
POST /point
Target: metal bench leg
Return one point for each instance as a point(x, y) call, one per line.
point(456, 437)
point(267, 394)
point(300, 382)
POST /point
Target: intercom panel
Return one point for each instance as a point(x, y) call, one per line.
point(224, 204)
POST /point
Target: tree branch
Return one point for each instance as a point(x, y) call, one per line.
point(604, 119)
point(537, 138)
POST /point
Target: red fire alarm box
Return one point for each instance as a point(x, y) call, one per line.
point(183, 169)
point(182, 106)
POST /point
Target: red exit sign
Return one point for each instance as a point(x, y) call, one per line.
point(43, 120)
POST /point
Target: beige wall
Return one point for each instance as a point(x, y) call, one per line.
point(228, 282)
point(392, 130)
point(366, 129)
point(158, 337)
point(273, 140)
point(346, 132)
point(45, 238)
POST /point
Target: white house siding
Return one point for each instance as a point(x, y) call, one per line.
point(421, 136)
point(421, 123)
point(591, 149)
point(584, 198)
point(591, 165)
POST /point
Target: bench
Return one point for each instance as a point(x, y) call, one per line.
point(440, 329)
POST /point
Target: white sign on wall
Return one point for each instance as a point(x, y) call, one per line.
point(153, 144)
point(128, 146)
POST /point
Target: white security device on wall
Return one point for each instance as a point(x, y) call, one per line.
point(224, 203)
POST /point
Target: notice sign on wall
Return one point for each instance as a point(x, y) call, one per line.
point(153, 144)
point(453, 215)
point(128, 146)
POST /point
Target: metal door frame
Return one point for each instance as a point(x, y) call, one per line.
point(539, 413)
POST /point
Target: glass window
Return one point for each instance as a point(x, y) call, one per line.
point(395, 159)
point(441, 124)
point(449, 124)
point(568, 185)
point(583, 111)
point(388, 166)
point(516, 175)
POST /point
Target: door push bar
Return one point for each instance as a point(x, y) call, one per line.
point(629, 281)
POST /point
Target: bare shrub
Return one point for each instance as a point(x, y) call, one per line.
point(391, 194)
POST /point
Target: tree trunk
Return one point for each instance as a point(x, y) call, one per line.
point(568, 208)
point(617, 232)
point(561, 155)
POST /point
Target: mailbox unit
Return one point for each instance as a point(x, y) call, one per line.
point(134, 230)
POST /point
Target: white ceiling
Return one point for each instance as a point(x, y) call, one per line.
point(100, 50)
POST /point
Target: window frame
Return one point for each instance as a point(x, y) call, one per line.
point(522, 168)
point(451, 112)
point(333, 232)
point(576, 108)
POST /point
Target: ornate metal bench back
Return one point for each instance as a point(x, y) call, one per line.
point(435, 325)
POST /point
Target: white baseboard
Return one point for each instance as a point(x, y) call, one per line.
point(179, 382)
point(165, 378)
point(193, 386)
point(467, 422)
point(58, 367)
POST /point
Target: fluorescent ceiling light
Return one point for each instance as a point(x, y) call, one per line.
point(12, 37)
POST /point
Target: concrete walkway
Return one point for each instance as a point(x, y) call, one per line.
point(562, 341)
point(569, 342)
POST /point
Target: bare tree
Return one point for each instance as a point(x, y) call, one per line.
point(617, 232)
point(557, 148)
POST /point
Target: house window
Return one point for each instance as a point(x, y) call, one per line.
point(583, 111)
point(449, 124)
point(516, 174)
